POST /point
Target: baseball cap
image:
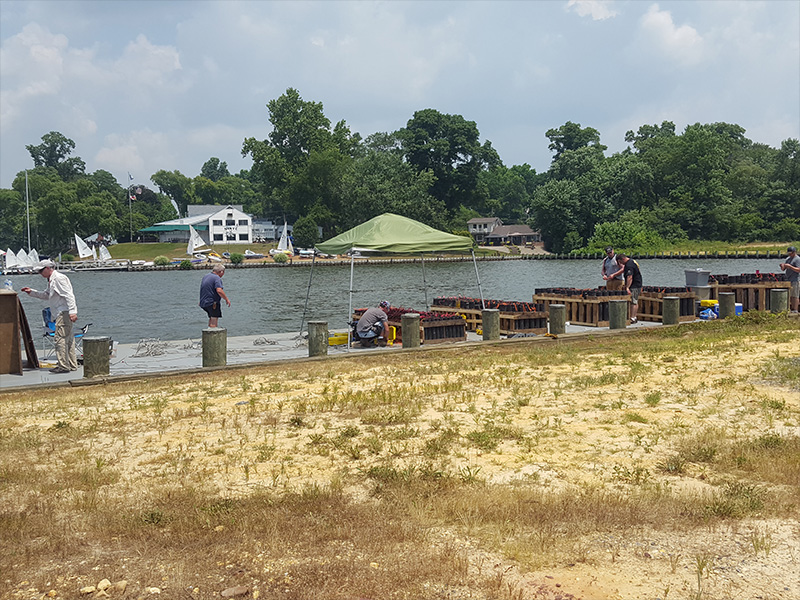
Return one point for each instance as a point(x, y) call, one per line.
point(44, 264)
point(384, 304)
point(791, 249)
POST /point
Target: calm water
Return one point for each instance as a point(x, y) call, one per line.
point(163, 304)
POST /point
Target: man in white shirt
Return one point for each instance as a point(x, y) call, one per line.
point(64, 311)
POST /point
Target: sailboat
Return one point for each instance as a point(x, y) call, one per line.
point(11, 261)
point(105, 255)
point(195, 241)
point(284, 244)
point(83, 249)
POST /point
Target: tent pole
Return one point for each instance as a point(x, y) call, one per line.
point(425, 282)
point(478, 277)
point(350, 299)
point(308, 293)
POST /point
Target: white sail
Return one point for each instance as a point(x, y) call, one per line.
point(11, 259)
point(83, 248)
point(34, 256)
point(22, 259)
point(104, 253)
point(284, 239)
point(285, 244)
point(195, 241)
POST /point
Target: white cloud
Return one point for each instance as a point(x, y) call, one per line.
point(599, 10)
point(682, 44)
point(33, 66)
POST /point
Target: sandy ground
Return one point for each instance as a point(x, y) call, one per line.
point(265, 428)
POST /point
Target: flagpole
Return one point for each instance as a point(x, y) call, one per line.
point(28, 209)
point(130, 205)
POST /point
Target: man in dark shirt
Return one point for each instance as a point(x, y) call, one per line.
point(373, 324)
point(633, 282)
point(211, 294)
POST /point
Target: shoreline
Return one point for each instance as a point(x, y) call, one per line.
point(304, 262)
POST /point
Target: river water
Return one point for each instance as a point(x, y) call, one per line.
point(129, 306)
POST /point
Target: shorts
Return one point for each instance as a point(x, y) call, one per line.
point(372, 332)
point(615, 284)
point(635, 295)
point(214, 310)
point(795, 292)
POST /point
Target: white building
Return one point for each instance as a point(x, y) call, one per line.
point(215, 224)
point(481, 227)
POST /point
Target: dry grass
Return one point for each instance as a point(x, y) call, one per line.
point(464, 473)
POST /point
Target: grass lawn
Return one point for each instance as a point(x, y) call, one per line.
point(663, 463)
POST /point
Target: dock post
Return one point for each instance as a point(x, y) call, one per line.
point(409, 326)
point(491, 324)
point(617, 314)
point(558, 319)
point(727, 304)
point(317, 338)
point(215, 347)
point(779, 300)
point(96, 355)
point(670, 311)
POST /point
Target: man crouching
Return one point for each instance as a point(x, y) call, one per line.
point(374, 325)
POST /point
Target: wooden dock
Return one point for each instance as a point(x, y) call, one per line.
point(752, 296)
point(510, 323)
point(592, 311)
point(651, 306)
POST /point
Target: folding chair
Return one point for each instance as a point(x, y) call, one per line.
point(50, 336)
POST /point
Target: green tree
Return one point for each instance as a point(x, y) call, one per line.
point(299, 167)
point(383, 182)
point(177, 186)
point(13, 225)
point(305, 232)
point(628, 234)
point(554, 212)
point(449, 147)
point(571, 136)
point(214, 170)
point(54, 152)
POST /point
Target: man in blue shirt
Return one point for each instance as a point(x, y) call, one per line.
point(212, 294)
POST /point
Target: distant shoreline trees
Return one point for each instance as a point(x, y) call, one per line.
point(709, 182)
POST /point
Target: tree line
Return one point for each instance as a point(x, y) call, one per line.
point(709, 182)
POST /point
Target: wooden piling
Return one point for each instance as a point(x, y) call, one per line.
point(409, 323)
point(727, 305)
point(779, 300)
point(317, 338)
point(215, 347)
point(557, 319)
point(618, 314)
point(491, 324)
point(670, 310)
point(96, 353)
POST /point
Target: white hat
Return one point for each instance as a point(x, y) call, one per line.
point(44, 264)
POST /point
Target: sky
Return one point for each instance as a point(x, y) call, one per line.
point(147, 85)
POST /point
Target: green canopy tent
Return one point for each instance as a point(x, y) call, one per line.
point(390, 233)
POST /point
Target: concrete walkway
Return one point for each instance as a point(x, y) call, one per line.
point(156, 356)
